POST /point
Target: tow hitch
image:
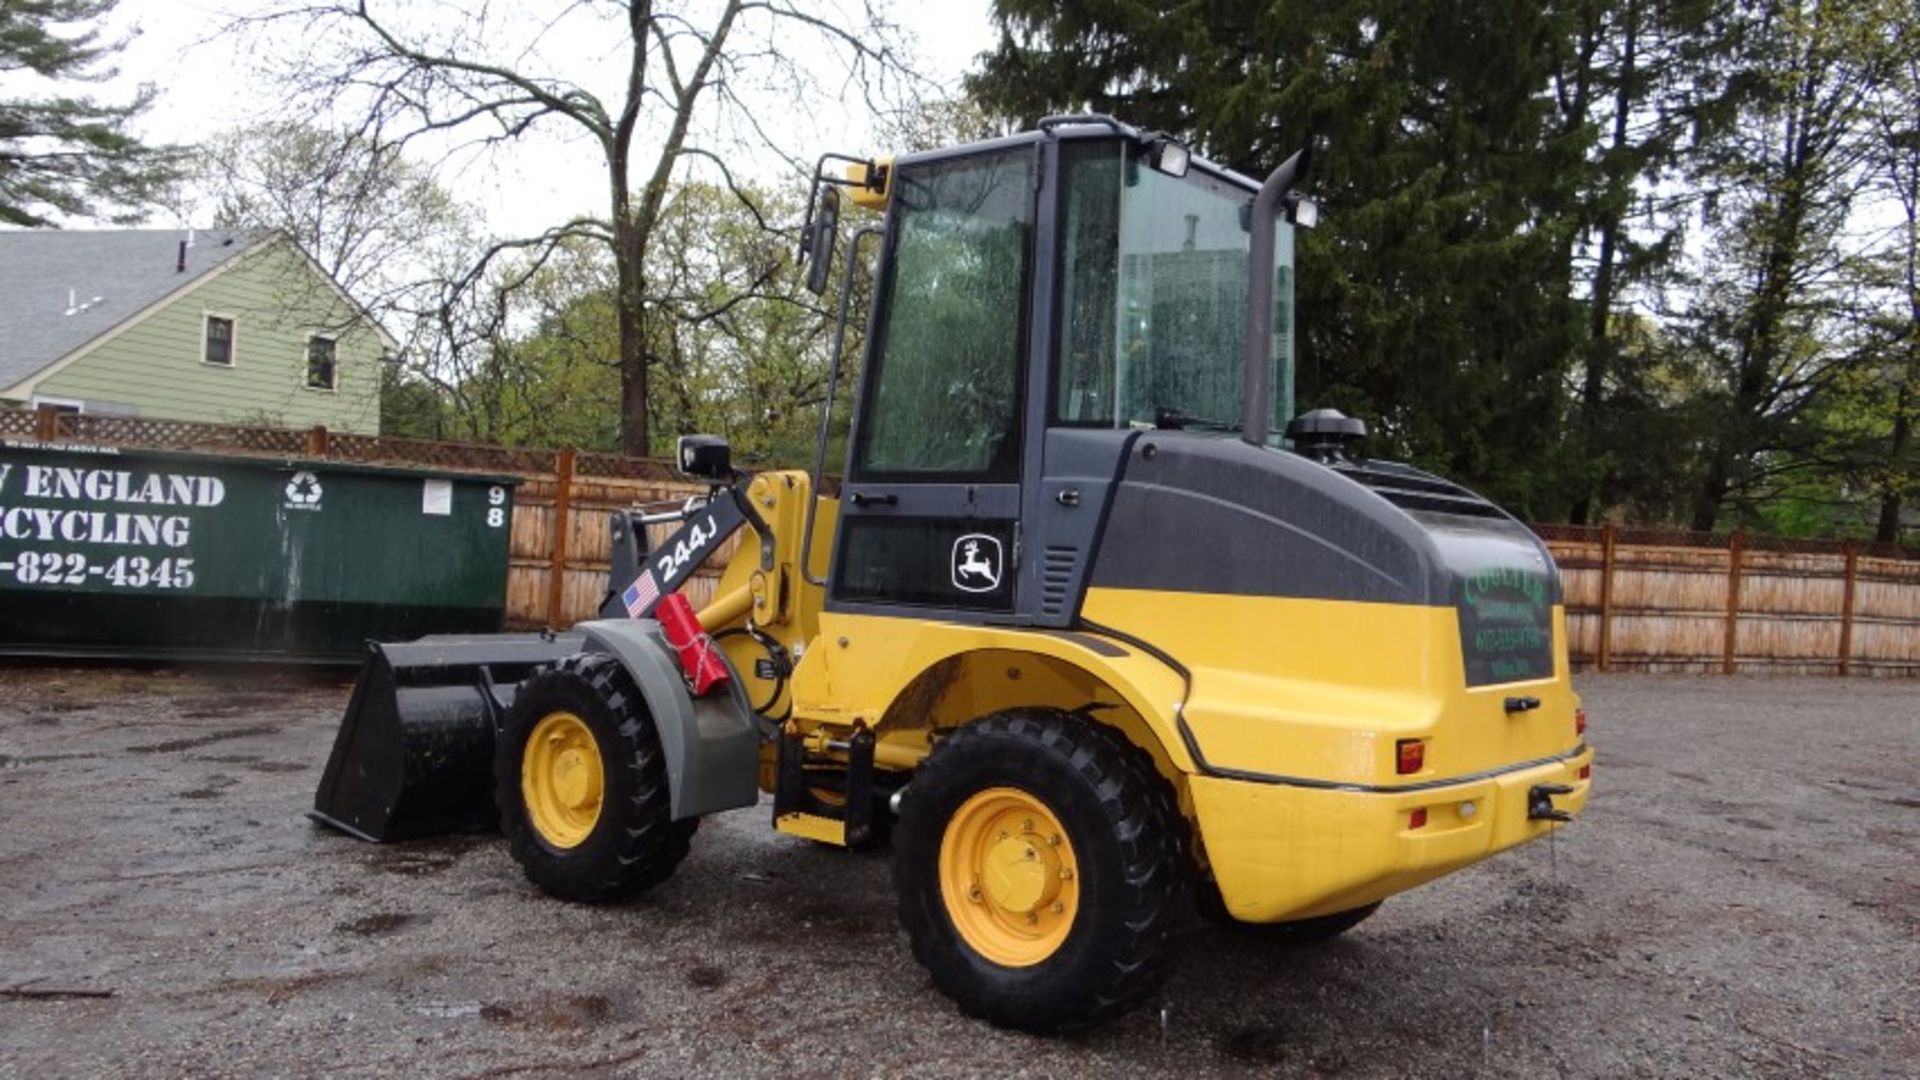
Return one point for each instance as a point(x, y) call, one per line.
point(1540, 802)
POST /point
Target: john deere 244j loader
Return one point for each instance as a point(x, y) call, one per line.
point(1096, 627)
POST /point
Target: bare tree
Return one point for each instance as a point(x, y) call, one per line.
point(688, 76)
point(375, 221)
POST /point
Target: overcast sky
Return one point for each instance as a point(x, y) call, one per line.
point(208, 85)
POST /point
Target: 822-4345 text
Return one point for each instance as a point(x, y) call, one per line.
point(55, 569)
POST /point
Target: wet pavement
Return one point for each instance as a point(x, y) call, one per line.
point(1742, 898)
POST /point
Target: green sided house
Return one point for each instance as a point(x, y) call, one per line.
point(217, 327)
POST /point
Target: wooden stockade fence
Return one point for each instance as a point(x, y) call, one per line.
point(1656, 600)
point(1637, 599)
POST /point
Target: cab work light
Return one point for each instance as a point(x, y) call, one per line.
point(1410, 756)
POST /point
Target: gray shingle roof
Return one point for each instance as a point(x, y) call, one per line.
point(47, 273)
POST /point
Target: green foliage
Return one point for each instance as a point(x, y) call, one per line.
point(410, 406)
point(65, 155)
point(1772, 328)
point(736, 347)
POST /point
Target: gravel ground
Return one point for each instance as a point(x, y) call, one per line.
point(1741, 898)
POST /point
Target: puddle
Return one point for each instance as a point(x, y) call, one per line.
point(382, 923)
point(1261, 1043)
point(213, 708)
point(452, 1010)
point(7, 760)
point(174, 746)
point(706, 977)
point(424, 858)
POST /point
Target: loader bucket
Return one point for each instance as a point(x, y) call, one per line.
point(414, 756)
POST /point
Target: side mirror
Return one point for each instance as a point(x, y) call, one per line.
point(1168, 155)
point(705, 457)
point(820, 237)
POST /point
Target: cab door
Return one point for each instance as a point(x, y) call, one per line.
point(930, 507)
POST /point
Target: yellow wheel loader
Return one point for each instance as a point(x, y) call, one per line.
point(1096, 627)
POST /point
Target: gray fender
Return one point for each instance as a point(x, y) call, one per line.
point(711, 743)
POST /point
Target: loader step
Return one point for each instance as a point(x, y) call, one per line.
point(800, 810)
point(825, 830)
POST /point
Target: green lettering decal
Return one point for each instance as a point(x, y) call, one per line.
point(1506, 625)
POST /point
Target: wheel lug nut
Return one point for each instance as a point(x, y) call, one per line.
point(1066, 873)
point(1032, 918)
point(1054, 839)
point(1059, 908)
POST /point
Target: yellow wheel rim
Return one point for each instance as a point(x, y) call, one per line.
point(561, 779)
point(1009, 877)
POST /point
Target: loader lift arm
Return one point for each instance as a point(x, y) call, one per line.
point(651, 574)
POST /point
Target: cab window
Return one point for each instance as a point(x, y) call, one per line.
point(943, 401)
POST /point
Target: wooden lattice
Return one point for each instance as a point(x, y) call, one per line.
point(626, 468)
point(468, 457)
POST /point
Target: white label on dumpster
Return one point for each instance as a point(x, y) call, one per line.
point(436, 497)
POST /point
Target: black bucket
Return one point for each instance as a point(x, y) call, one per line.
point(414, 756)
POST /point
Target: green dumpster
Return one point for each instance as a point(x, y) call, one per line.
point(155, 554)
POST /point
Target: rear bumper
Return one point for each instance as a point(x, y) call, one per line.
point(1280, 851)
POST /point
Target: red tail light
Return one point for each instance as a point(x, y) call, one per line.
point(1586, 772)
point(1409, 756)
point(1579, 721)
point(1417, 819)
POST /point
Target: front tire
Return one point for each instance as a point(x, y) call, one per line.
point(1043, 871)
point(581, 784)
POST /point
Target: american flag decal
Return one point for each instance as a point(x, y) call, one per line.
point(641, 594)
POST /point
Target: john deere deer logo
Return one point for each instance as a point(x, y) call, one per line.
point(976, 563)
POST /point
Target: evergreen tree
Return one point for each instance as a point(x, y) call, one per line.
point(1435, 299)
point(64, 155)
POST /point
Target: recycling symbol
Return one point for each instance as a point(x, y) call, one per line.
point(303, 489)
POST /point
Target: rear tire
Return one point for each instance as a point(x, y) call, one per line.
point(585, 810)
point(1043, 871)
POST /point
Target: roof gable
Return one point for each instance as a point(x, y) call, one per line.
point(62, 288)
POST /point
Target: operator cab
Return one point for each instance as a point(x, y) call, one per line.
point(1039, 301)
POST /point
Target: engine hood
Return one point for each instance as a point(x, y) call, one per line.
point(1192, 513)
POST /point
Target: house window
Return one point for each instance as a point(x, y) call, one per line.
point(320, 371)
point(63, 406)
point(218, 347)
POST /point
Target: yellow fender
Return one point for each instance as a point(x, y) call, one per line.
point(909, 682)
